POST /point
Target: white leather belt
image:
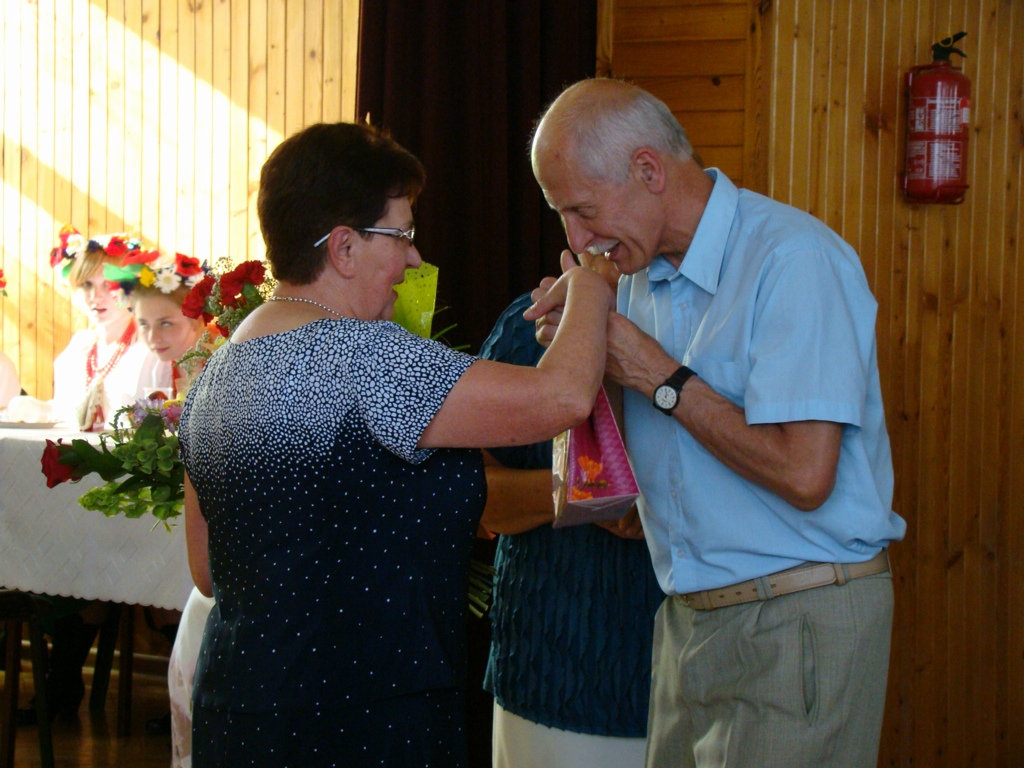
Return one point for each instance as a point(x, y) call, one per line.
point(807, 576)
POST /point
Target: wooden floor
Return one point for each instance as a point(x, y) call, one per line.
point(91, 741)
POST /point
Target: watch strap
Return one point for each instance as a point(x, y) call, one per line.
point(681, 375)
point(675, 383)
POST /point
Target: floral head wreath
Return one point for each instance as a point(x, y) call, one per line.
point(168, 273)
point(73, 244)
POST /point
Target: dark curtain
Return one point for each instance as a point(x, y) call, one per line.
point(460, 84)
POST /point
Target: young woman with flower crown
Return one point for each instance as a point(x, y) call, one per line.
point(106, 366)
point(103, 368)
point(156, 301)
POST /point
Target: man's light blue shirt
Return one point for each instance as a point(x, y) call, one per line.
point(773, 311)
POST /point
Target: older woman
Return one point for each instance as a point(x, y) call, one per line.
point(330, 499)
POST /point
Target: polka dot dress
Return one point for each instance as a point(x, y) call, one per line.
point(338, 549)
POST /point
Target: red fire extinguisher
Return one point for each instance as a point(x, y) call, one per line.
point(938, 117)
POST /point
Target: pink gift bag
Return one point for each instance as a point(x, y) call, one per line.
point(592, 476)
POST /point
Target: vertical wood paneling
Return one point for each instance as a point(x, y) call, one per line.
point(695, 57)
point(153, 117)
point(203, 162)
point(257, 124)
point(30, 172)
point(950, 326)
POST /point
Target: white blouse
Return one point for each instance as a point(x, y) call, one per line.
point(138, 370)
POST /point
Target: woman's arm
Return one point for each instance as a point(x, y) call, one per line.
point(518, 500)
point(496, 404)
point(197, 538)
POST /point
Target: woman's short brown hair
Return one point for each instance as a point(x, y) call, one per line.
point(327, 175)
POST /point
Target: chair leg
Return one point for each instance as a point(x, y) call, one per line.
point(104, 658)
point(12, 675)
point(125, 671)
point(42, 705)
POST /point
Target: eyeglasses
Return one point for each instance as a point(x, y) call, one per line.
point(407, 234)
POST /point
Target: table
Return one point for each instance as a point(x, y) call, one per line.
point(49, 544)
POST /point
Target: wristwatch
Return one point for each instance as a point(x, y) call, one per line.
point(666, 396)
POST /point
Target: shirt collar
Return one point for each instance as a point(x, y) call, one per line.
point(703, 261)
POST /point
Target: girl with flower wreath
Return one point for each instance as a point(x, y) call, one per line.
point(103, 369)
point(156, 302)
point(105, 366)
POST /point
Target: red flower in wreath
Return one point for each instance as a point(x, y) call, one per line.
point(187, 265)
point(232, 283)
point(3, 283)
point(194, 304)
point(138, 256)
point(117, 246)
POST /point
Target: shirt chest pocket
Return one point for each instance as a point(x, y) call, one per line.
point(725, 377)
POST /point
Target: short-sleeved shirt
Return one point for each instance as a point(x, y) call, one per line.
point(338, 548)
point(773, 311)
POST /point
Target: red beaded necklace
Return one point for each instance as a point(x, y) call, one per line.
point(91, 371)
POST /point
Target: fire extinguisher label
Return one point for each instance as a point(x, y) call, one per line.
point(935, 160)
point(936, 114)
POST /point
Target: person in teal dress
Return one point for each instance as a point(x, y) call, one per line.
point(572, 612)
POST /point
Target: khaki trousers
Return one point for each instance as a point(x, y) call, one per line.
point(795, 681)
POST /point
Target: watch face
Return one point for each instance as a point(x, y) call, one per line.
point(665, 397)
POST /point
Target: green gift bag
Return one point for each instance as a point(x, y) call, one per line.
point(414, 308)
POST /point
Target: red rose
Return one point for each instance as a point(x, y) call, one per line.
point(117, 246)
point(3, 280)
point(56, 473)
point(56, 256)
point(194, 304)
point(231, 284)
point(187, 265)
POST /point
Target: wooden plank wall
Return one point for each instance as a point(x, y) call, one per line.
point(694, 56)
point(151, 117)
point(827, 75)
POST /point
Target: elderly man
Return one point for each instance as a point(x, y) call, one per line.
point(744, 344)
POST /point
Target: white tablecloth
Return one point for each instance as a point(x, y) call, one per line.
point(50, 544)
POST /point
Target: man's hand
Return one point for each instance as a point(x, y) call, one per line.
point(635, 360)
point(629, 527)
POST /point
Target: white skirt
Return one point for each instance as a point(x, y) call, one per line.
point(181, 671)
point(521, 743)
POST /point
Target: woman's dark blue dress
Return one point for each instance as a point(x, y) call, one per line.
point(338, 550)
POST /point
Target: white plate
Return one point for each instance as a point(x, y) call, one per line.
point(27, 425)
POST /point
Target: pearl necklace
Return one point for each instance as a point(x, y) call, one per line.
point(306, 301)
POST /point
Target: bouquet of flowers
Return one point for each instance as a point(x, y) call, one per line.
point(138, 459)
point(223, 302)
